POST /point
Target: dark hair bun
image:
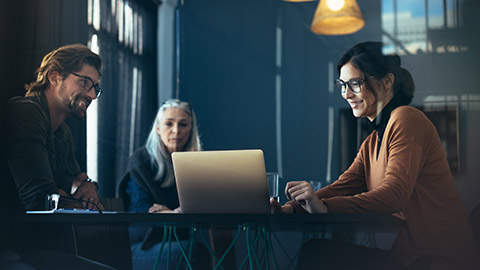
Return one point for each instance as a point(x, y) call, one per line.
point(393, 62)
point(405, 86)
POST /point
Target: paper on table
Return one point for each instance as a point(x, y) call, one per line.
point(71, 211)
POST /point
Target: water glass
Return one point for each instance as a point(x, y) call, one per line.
point(272, 181)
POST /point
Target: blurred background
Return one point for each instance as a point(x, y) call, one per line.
point(255, 73)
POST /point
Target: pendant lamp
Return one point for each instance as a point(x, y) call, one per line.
point(337, 17)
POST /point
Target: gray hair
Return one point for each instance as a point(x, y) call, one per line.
point(155, 146)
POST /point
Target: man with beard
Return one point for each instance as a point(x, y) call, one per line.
point(39, 155)
point(39, 147)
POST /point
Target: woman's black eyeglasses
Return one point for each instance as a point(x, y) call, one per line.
point(353, 84)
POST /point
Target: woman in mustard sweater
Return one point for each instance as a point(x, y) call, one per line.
point(401, 168)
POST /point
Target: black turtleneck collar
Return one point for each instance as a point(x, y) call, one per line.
point(380, 122)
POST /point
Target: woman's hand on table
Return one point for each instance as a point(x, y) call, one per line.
point(302, 193)
point(277, 208)
point(160, 208)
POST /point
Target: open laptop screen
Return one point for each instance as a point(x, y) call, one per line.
point(232, 181)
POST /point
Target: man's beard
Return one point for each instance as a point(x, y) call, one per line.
point(74, 109)
point(72, 106)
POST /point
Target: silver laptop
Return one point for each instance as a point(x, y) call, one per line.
point(221, 181)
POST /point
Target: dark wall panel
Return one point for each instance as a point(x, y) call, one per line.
point(228, 73)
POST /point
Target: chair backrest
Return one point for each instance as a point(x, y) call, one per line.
point(475, 222)
point(112, 204)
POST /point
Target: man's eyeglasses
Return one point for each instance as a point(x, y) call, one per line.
point(353, 84)
point(88, 84)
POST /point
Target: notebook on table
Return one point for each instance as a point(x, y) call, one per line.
point(232, 181)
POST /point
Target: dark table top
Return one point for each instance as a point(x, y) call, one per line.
point(277, 222)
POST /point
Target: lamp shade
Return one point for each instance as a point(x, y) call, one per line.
point(337, 17)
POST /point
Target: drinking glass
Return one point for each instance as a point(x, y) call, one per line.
point(316, 185)
point(272, 181)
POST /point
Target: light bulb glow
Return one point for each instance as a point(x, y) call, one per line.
point(335, 5)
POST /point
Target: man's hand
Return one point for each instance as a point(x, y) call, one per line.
point(87, 192)
point(302, 193)
point(66, 203)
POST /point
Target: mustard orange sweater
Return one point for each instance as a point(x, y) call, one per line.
point(411, 178)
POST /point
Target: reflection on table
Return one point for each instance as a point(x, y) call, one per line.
point(257, 233)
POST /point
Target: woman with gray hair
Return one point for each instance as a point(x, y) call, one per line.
point(149, 182)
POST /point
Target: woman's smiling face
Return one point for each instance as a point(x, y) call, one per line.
point(365, 103)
